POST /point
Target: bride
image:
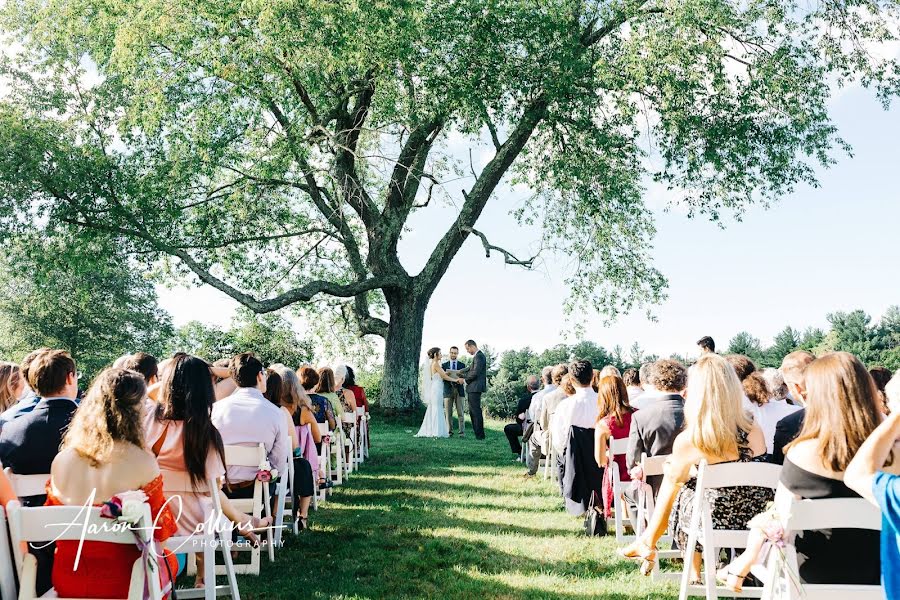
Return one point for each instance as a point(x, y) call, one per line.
point(433, 377)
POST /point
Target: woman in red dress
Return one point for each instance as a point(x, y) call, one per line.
point(103, 455)
point(613, 421)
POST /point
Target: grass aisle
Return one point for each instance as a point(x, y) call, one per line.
point(450, 519)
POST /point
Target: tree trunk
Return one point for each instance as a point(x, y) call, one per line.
point(400, 382)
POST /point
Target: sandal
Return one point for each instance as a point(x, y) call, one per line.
point(302, 523)
point(732, 581)
point(639, 550)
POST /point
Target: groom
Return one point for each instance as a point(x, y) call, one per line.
point(476, 384)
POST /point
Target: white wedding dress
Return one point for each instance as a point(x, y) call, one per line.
point(434, 425)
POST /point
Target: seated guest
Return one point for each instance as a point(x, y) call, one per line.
point(29, 443)
point(104, 455)
point(247, 418)
point(718, 431)
point(291, 398)
point(613, 422)
point(872, 474)
point(189, 449)
point(768, 393)
point(892, 393)
point(12, 386)
point(145, 364)
point(632, 380)
point(326, 388)
point(29, 398)
point(348, 400)
point(793, 367)
point(648, 385)
point(515, 430)
point(358, 393)
point(579, 409)
point(881, 376)
point(653, 429)
point(309, 379)
point(552, 399)
point(842, 410)
point(538, 436)
point(608, 371)
point(744, 367)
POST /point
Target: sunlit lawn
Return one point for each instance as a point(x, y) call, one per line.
point(447, 518)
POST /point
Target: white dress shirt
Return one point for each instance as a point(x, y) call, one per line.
point(767, 417)
point(247, 418)
point(579, 410)
point(646, 398)
point(534, 410)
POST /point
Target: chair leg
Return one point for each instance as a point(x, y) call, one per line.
point(229, 571)
point(209, 572)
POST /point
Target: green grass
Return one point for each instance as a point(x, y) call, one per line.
point(446, 519)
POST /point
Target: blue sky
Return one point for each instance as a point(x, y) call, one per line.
point(816, 251)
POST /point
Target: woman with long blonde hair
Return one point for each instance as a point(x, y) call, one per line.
point(718, 430)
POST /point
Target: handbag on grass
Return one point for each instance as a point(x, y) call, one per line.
point(594, 520)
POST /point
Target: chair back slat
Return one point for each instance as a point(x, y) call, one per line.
point(618, 447)
point(348, 418)
point(739, 475)
point(361, 411)
point(27, 485)
point(833, 513)
point(245, 456)
point(41, 523)
point(653, 465)
point(324, 429)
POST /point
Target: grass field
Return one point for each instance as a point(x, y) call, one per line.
point(446, 519)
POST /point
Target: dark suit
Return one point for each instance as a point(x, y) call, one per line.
point(515, 430)
point(453, 396)
point(786, 430)
point(28, 445)
point(653, 431)
point(476, 384)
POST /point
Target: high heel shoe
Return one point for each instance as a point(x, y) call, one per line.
point(640, 551)
point(732, 581)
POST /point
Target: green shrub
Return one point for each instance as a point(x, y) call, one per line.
point(371, 382)
point(501, 399)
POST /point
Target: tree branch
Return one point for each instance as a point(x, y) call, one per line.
point(508, 257)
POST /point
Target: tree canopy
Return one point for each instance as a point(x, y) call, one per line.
point(275, 150)
point(87, 299)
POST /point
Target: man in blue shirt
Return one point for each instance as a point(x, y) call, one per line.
point(864, 475)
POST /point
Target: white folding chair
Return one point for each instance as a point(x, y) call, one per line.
point(700, 530)
point(619, 448)
point(325, 458)
point(27, 485)
point(782, 569)
point(283, 491)
point(348, 444)
point(38, 524)
point(250, 456)
point(7, 575)
point(204, 543)
point(363, 435)
point(653, 466)
point(550, 463)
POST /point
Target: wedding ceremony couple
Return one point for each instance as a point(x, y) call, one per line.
point(444, 385)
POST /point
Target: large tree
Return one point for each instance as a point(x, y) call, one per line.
point(276, 150)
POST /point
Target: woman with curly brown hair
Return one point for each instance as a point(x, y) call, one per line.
point(103, 455)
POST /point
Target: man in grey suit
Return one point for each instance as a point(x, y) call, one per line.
point(654, 429)
point(476, 384)
point(454, 393)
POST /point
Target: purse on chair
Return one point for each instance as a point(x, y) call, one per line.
point(594, 520)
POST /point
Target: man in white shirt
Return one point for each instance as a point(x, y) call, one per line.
point(649, 394)
point(579, 410)
point(247, 418)
point(533, 455)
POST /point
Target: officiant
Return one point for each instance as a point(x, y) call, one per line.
point(454, 392)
